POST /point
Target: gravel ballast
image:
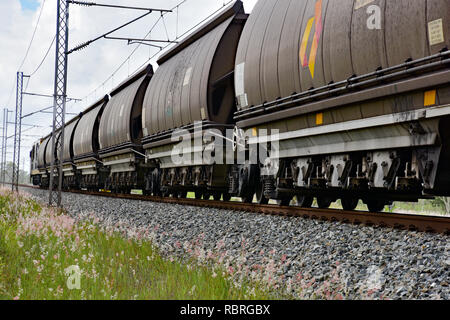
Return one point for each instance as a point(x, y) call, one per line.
point(307, 258)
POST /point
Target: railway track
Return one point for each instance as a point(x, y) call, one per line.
point(411, 222)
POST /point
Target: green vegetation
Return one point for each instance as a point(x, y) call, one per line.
point(43, 251)
point(423, 206)
point(24, 176)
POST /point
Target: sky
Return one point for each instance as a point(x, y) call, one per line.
point(29, 4)
point(94, 71)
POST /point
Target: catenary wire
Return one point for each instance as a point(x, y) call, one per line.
point(32, 38)
point(132, 53)
point(28, 50)
point(45, 57)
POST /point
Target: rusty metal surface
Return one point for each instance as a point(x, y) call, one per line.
point(184, 89)
point(121, 119)
point(293, 46)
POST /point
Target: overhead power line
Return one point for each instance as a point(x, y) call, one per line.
point(32, 38)
point(28, 50)
point(46, 96)
point(45, 57)
point(94, 4)
point(85, 44)
point(135, 49)
point(185, 33)
point(163, 48)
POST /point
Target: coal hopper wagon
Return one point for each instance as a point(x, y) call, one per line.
point(337, 100)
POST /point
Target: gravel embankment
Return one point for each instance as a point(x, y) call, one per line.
point(317, 259)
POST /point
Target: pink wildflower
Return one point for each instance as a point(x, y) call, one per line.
point(339, 297)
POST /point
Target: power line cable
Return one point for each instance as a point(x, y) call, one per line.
point(185, 33)
point(165, 27)
point(45, 57)
point(134, 51)
point(28, 50)
point(11, 93)
point(34, 34)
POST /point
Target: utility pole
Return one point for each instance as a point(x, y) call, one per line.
point(59, 107)
point(4, 145)
point(17, 132)
point(60, 88)
point(4, 133)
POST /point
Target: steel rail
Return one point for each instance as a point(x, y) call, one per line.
point(411, 222)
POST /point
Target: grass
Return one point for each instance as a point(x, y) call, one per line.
point(423, 207)
point(42, 249)
point(42, 252)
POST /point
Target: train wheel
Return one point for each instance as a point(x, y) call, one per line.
point(260, 198)
point(226, 196)
point(198, 195)
point(349, 204)
point(182, 194)
point(324, 203)
point(375, 205)
point(304, 201)
point(217, 196)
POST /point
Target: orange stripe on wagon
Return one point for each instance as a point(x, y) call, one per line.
point(311, 62)
point(430, 98)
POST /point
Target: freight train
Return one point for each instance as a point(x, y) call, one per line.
point(357, 91)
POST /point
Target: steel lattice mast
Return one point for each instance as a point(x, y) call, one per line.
point(59, 108)
point(60, 93)
point(17, 133)
point(4, 148)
